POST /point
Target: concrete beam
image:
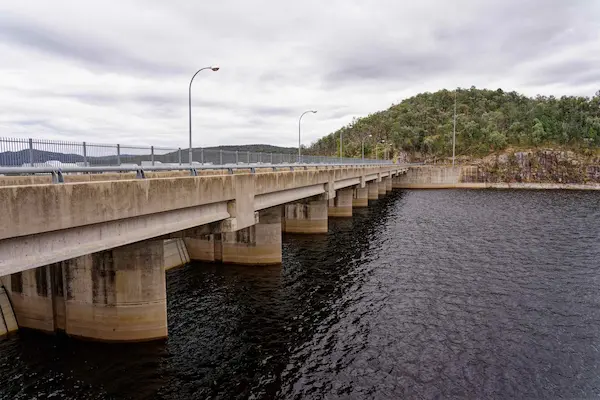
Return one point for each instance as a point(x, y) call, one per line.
point(50, 247)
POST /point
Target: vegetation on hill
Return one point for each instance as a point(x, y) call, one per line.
point(487, 121)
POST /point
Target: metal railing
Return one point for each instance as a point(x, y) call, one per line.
point(67, 155)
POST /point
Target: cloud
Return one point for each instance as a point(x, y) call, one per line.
point(87, 71)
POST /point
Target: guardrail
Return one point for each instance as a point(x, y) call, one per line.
point(57, 173)
point(15, 152)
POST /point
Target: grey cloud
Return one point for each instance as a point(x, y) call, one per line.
point(346, 58)
point(491, 41)
point(19, 31)
point(574, 72)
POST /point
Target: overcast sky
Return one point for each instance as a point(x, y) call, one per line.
point(118, 72)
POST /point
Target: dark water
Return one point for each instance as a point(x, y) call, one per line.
point(427, 294)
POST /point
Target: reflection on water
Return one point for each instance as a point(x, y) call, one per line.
point(487, 294)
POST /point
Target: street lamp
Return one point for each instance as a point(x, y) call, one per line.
point(341, 146)
point(213, 68)
point(454, 131)
point(299, 140)
point(363, 146)
point(382, 141)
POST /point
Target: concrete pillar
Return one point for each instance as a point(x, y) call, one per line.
point(382, 187)
point(114, 295)
point(8, 321)
point(341, 204)
point(396, 182)
point(31, 297)
point(360, 197)
point(259, 244)
point(388, 184)
point(306, 216)
point(201, 248)
point(175, 253)
point(373, 188)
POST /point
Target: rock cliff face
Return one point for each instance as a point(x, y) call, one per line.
point(535, 166)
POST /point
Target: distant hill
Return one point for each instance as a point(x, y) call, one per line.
point(211, 154)
point(259, 148)
point(486, 121)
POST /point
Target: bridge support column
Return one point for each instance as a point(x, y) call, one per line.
point(201, 247)
point(360, 197)
point(341, 204)
point(382, 187)
point(258, 244)
point(306, 216)
point(115, 295)
point(396, 182)
point(388, 184)
point(373, 187)
point(30, 293)
point(175, 253)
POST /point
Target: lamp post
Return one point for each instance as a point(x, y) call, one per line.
point(299, 139)
point(341, 146)
point(363, 146)
point(213, 68)
point(454, 131)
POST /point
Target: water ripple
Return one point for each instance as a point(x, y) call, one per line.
point(427, 294)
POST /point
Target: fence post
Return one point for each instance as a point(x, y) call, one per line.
point(248, 153)
point(202, 155)
point(85, 155)
point(118, 154)
point(237, 157)
point(152, 155)
point(31, 152)
point(271, 158)
point(179, 155)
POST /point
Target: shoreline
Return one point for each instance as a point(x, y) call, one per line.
point(490, 185)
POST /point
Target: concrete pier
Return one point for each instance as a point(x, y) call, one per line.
point(8, 321)
point(175, 253)
point(127, 300)
point(388, 184)
point(341, 204)
point(259, 244)
point(31, 297)
point(382, 187)
point(114, 295)
point(201, 247)
point(360, 197)
point(306, 216)
point(373, 190)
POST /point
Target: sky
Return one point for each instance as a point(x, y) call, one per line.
point(119, 72)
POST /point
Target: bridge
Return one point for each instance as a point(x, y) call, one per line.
point(84, 248)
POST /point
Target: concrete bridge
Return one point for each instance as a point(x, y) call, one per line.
point(88, 255)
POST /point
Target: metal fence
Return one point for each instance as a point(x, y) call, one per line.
point(16, 152)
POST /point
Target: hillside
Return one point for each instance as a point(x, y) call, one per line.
point(487, 121)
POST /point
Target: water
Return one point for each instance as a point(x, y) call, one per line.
point(427, 294)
